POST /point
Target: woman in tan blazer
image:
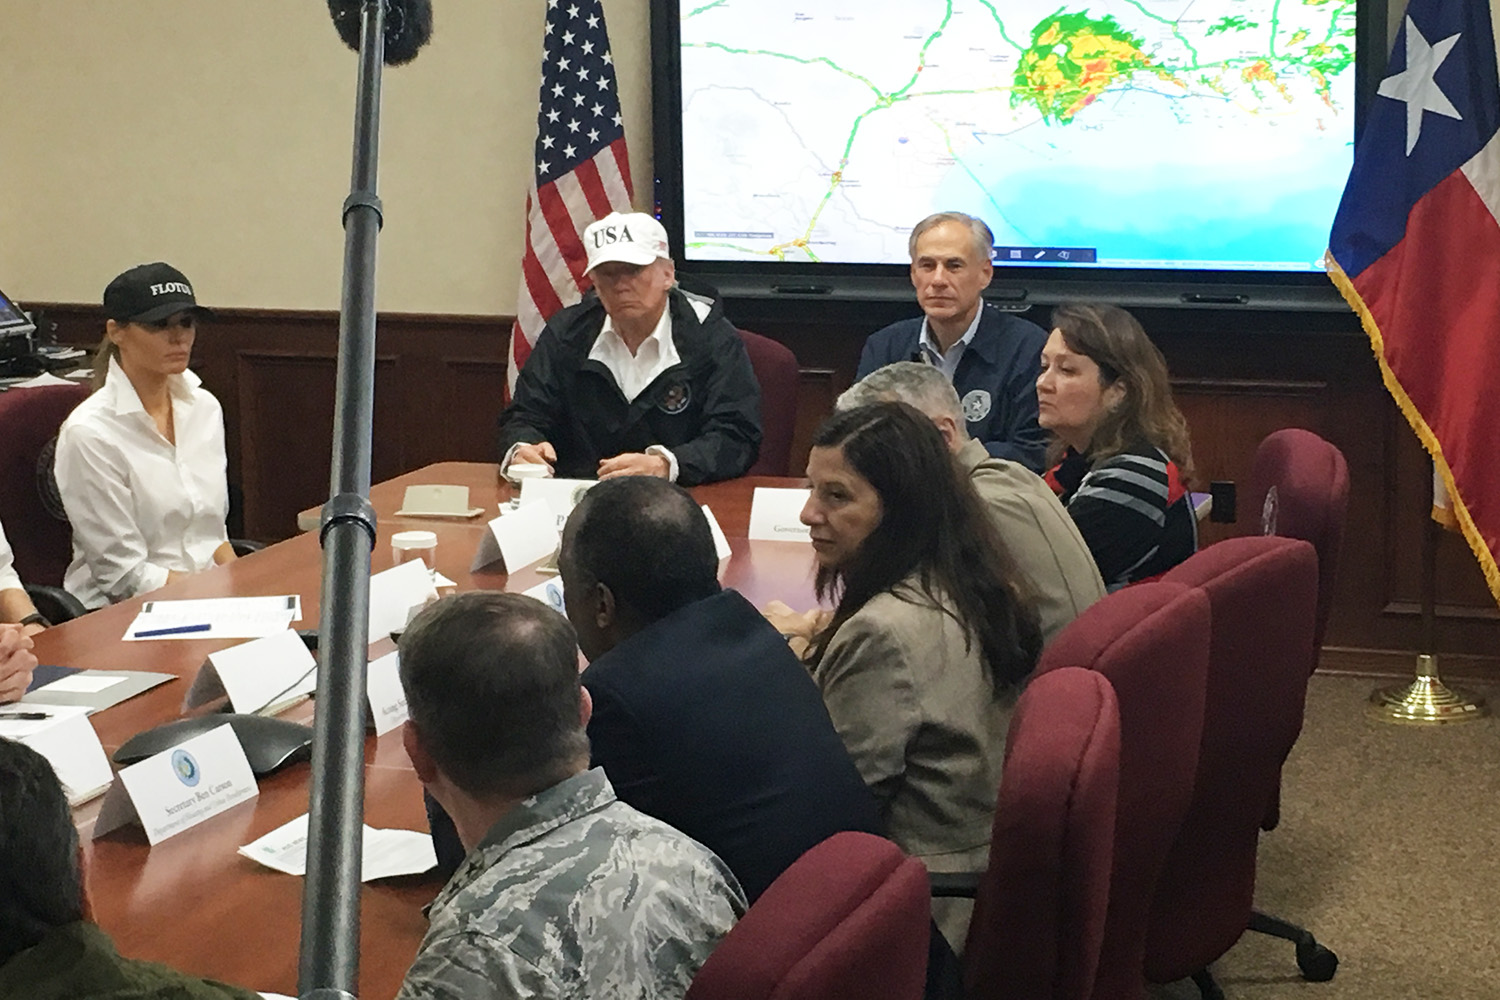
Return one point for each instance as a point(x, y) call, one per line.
point(930, 636)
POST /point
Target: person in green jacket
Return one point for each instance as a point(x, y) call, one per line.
point(48, 949)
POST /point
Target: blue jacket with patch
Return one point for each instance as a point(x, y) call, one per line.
point(706, 409)
point(996, 380)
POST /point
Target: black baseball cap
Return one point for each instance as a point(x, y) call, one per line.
point(149, 293)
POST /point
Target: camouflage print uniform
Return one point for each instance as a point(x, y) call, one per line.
point(574, 894)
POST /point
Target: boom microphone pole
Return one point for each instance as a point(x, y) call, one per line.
point(382, 31)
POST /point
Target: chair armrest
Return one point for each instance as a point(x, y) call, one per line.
point(964, 884)
point(55, 604)
point(244, 546)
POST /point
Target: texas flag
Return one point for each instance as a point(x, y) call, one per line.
point(1415, 249)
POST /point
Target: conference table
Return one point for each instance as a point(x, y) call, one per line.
point(192, 901)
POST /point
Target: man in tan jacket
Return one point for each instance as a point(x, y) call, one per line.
point(1041, 537)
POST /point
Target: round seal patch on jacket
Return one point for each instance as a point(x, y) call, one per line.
point(676, 398)
point(976, 405)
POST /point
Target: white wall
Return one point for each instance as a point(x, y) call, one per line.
point(216, 134)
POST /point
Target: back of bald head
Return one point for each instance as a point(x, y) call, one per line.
point(647, 540)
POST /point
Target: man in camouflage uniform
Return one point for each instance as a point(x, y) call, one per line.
point(566, 892)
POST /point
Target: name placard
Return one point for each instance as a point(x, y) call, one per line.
point(550, 593)
point(562, 495)
point(775, 515)
point(517, 539)
point(721, 543)
point(396, 594)
point(64, 735)
point(179, 788)
point(257, 675)
point(387, 698)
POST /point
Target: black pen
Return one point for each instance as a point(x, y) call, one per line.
point(25, 716)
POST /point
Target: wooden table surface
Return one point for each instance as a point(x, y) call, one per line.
point(192, 901)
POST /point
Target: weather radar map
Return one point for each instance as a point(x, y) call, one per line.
point(1201, 134)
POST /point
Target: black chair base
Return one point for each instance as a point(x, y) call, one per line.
point(1316, 962)
point(1207, 987)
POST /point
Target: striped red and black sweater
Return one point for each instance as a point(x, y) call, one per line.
point(1132, 509)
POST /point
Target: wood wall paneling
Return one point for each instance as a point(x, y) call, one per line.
point(1237, 375)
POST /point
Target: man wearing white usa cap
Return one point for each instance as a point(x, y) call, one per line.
point(640, 378)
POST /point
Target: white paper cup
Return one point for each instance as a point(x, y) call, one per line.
point(518, 471)
point(409, 545)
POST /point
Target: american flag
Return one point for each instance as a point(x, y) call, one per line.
point(581, 173)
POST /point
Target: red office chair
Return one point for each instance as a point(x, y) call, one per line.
point(1299, 488)
point(1257, 683)
point(1151, 642)
point(1039, 914)
point(776, 371)
point(847, 921)
point(30, 418)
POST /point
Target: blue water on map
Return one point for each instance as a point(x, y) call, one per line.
point(1130, 179)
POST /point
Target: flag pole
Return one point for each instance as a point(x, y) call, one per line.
point(1427, 700)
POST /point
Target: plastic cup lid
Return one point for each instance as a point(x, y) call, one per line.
point(414, 539)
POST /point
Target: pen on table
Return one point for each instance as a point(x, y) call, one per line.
point(152, 633)
point(25, 716)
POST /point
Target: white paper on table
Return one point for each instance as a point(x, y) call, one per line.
point(257, 674)
point(775, 515)
point(82, 683)
point(274, 996)
point(384, 854)
point(68, 741)
point(396, 594)
point(226, 617)
point(42, 380)
point(562, 495)
point(440, 581)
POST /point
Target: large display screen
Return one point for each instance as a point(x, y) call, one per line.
point(1128, 135)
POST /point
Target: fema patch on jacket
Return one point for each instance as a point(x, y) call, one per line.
point(675, 399)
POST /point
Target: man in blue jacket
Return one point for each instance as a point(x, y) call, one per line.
point(992, 357)
point(703, 717)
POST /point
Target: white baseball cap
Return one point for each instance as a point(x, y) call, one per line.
point(629, 237)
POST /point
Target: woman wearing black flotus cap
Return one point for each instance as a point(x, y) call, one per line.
point(140, 463)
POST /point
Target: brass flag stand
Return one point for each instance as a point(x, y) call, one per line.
point(1427, 700)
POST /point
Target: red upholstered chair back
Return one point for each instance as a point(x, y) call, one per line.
point(1311, 482)
point(849, 920)
point(776, 371)
point(1262, 593)
point(1151, 642)
point(1039, 915)
point(29, 419)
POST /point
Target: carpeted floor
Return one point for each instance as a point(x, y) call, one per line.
point(1388, 851)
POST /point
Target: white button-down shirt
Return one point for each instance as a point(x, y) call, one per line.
point(140, 506)
point(948, 363)
point(9, 579)
point(633, 372)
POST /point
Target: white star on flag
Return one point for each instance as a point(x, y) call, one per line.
point(1416, 85)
